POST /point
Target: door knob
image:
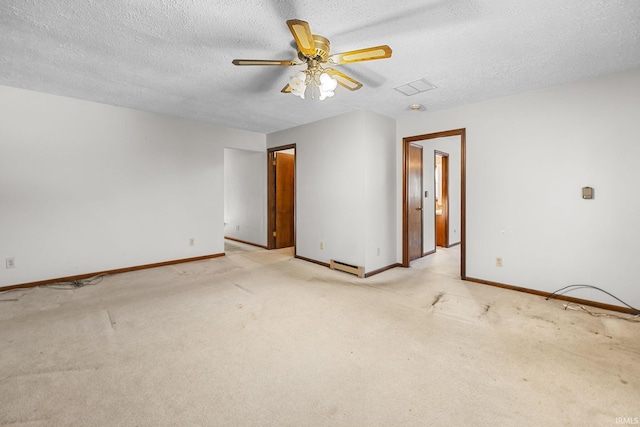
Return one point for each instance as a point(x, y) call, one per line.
point(418, 209)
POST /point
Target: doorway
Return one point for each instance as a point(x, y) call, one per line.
point(281, 178)
point(408, 229)
point(441, 193)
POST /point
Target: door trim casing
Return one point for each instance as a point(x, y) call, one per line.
point(271, 195)
point(405, 188)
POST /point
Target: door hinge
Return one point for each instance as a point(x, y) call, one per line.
point(274, 234)
point(274, 162)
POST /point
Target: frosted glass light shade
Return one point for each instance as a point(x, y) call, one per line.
point(325, 83)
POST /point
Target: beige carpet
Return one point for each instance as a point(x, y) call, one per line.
point(258, 338)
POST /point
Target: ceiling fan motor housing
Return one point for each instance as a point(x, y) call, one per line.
point(322, 47)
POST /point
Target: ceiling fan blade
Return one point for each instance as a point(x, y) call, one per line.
point(302, 34)
point(343, 79)
point(263, 62)
point(368, 54)
point(286, 89)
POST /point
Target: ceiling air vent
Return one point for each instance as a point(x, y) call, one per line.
point(418, 86)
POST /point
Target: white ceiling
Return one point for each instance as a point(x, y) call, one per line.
point(174, 56)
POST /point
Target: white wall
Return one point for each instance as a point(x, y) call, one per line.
point(86, 187)
point(528, 156)
point(344, 188)
point(380, 192)
point(245, 195)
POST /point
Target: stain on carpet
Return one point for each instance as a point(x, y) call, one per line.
point(437, 299)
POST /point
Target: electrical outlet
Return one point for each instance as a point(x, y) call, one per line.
point(498, 262)
point(11, 263)
point(378, 251)
point(192, 241)
point(321, 245)
point(237, 228)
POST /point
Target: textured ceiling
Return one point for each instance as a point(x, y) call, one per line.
point(174, 56)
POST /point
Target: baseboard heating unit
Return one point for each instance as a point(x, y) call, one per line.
point(347, 268)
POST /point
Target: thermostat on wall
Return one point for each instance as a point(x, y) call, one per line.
point(587, 193)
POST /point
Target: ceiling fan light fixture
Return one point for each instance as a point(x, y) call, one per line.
point(324, 94)
point(298, 84)
point(313, 76)
point(325, 83)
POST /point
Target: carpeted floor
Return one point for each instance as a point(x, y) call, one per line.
point(257, 338)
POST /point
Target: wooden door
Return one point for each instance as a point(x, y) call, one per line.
point(442, 202)
point(414, 201)
point(284, 165)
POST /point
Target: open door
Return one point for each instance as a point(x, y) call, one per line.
point(415, 202)
point(441, 191)
point(281, 212)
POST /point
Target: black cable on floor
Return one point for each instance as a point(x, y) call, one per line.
point(592, 287)
point(77, 283)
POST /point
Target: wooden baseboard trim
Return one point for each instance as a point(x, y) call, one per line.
point(453, 244)
point(556, 296)
point(245, 242)
point(429, 253)
point(115, 271)
point(324, 264)
point(380, 270)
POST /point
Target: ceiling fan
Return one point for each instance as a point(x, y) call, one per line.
point(314, 51)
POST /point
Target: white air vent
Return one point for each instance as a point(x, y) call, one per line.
point(418, 86)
